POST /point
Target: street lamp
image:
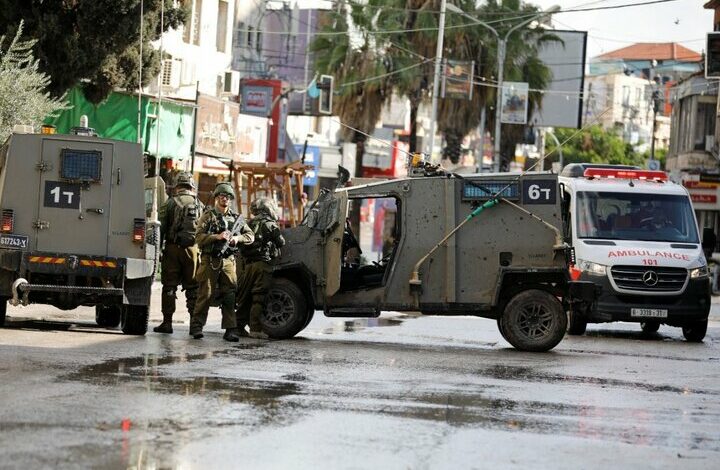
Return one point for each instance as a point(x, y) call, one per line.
point(502, 44)
point(436, 78)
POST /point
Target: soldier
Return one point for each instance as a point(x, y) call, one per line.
point(178, 223)
point(256, 273)
point(217, 271)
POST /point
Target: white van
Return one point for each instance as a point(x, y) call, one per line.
point(635, 236)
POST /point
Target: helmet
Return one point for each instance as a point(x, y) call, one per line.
point(224, 188)
point(265, 206)
point(185, 179)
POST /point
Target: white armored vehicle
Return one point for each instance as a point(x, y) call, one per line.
point(73, 227)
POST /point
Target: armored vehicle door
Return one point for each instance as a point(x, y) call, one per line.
point(334, 245)
point(74, 205)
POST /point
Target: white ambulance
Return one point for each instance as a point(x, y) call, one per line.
point(635, 236)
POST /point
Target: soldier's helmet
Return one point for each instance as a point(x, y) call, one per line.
point(185, 179)
point(224, 188)
point(265, 205)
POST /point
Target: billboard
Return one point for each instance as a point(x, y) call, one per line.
point(514, 103)
point(458, 79)
point(562, 104)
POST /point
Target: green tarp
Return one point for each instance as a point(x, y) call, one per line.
point(117, 118)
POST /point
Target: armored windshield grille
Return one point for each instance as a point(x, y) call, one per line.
point(483, 190)
point(81, 165)
point(647, 279)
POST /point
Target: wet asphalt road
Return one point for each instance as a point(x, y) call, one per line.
point(394, 392)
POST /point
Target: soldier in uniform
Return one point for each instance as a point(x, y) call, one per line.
point(217, 276)
point(256, 272)
point(180, 253)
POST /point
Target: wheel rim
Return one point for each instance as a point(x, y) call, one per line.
point(535, 321)
point(279, 309)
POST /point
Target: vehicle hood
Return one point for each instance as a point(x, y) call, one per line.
point(633, 252)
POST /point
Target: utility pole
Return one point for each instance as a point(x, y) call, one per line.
point(436, 79)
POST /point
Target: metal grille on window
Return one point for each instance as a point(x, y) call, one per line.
point(79, 165)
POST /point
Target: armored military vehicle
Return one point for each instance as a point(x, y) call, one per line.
point(73, 227)
point(483, 245)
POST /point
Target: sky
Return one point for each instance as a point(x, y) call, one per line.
point(609, 30)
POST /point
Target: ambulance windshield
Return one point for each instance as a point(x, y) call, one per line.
point(633, 216)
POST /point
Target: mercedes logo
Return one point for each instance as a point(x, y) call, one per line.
point(650, 278)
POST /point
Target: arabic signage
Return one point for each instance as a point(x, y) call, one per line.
point(256, 99)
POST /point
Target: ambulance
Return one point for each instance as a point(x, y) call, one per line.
point(635, 236)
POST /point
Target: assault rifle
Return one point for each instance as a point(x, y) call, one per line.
point(234, 231)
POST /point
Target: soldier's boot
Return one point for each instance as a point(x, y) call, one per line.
point(256, 310)
point(232, 335)
point(165, 326)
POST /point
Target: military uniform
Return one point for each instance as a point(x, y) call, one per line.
point(216, 273)
point(256, 270)
point(179, 264)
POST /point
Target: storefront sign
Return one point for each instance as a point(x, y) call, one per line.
point(704, 198)
point(256, 99)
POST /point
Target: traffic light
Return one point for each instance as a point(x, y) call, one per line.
point(325, 84)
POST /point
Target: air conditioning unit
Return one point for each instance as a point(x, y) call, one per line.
point(231, 83)
point(171, 69)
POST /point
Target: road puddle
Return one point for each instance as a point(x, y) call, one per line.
point(359, 324)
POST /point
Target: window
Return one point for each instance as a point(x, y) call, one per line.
point(635, 216)
point(250, 34)
point(221, 36)
point(187, 27)
point(704, 124)
point(626, 95)
point(240, 35)
point(81, 165)
point(258, 42)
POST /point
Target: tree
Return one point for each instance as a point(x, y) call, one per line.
point(593, 145)
point(92, 42)
point(23, 95)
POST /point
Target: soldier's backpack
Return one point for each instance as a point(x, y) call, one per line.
point(185, 219)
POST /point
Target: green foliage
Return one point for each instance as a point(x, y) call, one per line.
point(593, 145)
point(23, 95)
point(92, 42)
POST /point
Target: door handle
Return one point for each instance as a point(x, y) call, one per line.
point(97, 211)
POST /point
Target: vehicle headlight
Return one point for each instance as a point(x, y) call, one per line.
point(592, 268)
point(702, 271)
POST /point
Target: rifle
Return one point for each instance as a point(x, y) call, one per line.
point(237, 226)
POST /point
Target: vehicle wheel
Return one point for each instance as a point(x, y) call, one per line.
point(3, 310)
point(650, 326)
point(576, 324)
point(310, 315)
point(500, 329)
point(534, 320)
point(134, 319)
point(108, 316)
point(695, 331)
point(286, 312)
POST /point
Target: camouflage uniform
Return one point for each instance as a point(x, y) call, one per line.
point(256, 270)
point(217, 275)
point(179, 264)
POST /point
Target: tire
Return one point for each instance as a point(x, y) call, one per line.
point(286, 312)
point(695, 332)
point(3, 310)
point(649, 326)
point(108, 316)
point(500, 329)
point(534, 320)
point(576, 324)
point(134, 319)
point(310, 315)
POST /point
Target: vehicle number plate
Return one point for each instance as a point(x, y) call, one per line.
point(15, 242)
point(648, 313)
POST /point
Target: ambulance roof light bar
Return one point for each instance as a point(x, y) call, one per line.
point(611, 173)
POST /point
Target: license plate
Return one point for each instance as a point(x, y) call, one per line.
point(648, 313)
point(15, 242)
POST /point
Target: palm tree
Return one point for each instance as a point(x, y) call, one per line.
point(522, 63)
point(353, 58)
